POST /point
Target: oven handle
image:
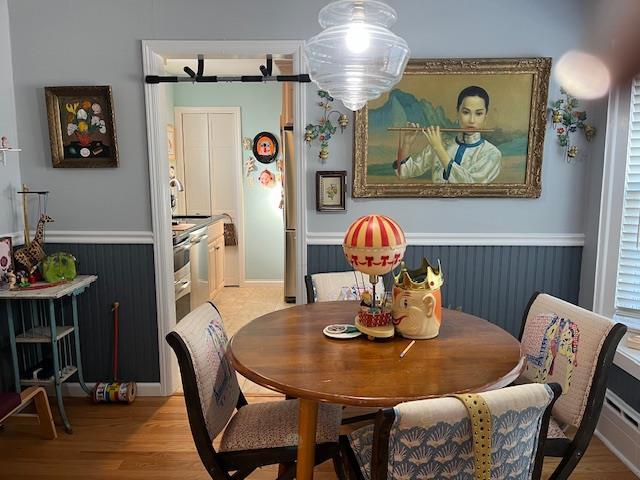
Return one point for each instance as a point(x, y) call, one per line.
point(199, 239)
point(179, 248)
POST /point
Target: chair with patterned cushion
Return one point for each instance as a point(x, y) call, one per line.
point(493, 435)
point(336, 286)
point(574, 347)
point(255, 435)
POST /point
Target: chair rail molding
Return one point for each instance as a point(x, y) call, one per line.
point(479, 239)
point(89, 237)
point(153, 52)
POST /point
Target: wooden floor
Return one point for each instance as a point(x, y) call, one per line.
point(150, 439)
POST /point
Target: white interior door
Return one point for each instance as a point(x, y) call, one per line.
point(224, 139)
point(195, 145)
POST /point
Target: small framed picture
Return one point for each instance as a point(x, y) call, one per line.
point(82, 130)
point(6, 257)
point(330, 190)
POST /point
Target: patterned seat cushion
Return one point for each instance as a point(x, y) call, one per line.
point(361, 442)
point(275, 424)
point(555, 431)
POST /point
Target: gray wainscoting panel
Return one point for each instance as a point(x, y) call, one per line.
point(626, 386)
point(492, 282)
point(125, 275)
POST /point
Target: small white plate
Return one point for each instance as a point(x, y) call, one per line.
point(340, 331)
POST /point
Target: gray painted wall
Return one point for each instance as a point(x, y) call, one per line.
point(494, 283)
point(432, 29)
point(10, 220)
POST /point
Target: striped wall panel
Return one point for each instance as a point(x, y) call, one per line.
point(125, 275)
point(492, 282)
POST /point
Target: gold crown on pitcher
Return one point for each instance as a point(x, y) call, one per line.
point(427, 277)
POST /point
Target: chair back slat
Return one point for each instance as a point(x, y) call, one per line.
point(336, 286)
point(562, 343)
point(204, 342)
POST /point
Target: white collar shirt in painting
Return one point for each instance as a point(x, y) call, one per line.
point(472, 160)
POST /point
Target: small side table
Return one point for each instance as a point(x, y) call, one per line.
point(37, 316)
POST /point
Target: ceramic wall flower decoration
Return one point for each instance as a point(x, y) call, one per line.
point(324, 130)
point(567, 119)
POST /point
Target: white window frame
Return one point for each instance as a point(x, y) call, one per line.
point(611, 207)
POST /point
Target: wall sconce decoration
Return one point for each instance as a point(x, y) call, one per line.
point(325, 129)
point(566, 120)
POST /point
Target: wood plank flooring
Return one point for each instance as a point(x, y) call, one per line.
point(150, 439)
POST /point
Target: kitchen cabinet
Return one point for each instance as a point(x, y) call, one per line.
point(216, 258)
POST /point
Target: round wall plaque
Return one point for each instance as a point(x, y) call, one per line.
point(265, 147)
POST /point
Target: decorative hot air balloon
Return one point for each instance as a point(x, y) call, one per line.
point(374, 245)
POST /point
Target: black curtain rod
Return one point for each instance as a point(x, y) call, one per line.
point(302, 78)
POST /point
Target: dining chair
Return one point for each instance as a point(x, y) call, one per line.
point(332, 286)
point(252, 435)
point(574, 347)
point(492, 435)
point(13, 403)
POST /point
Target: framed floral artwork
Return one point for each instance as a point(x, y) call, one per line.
point(455, 128)
point(81, 127)
point(330, 190)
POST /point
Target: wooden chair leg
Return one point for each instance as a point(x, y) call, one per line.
point(566, 466)
point(47, 427)
point(338, 466)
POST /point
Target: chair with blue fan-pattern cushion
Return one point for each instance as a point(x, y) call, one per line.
point(435, 438)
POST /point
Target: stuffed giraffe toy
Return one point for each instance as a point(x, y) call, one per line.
point(30, 255)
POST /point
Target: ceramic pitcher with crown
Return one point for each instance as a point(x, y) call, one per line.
point(417, 301)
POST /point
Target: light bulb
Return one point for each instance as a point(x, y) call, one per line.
point(357, 38)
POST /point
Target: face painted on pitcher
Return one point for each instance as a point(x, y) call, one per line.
point(416, 312)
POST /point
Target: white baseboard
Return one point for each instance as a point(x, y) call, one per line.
point(468, 239)
point(73, 389)
point(619, 430)
point(262, 283)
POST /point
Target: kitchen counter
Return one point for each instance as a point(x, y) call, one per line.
point(192, 224)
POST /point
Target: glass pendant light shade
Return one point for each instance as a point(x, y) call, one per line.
point(356, 57)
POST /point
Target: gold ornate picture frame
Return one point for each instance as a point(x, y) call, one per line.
point(492, 116)
point(81, 127)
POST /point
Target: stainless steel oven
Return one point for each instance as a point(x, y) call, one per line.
point(182, 278)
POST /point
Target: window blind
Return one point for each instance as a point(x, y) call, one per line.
point(628, 282)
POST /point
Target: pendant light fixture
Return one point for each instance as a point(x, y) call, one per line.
point(356, 57)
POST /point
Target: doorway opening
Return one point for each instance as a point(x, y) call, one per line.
point(219, 174)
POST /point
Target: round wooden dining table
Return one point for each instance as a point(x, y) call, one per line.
point(286, 351)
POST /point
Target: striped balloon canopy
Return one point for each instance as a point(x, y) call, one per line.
point(374, 244)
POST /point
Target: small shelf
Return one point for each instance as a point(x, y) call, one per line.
point(3, 153)
point(66, 373)
point(43, 334)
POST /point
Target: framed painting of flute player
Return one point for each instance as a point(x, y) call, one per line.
point(455, 128)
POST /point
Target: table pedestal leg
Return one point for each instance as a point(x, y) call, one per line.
point(307, 422)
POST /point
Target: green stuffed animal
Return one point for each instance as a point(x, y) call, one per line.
point(59, 266)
